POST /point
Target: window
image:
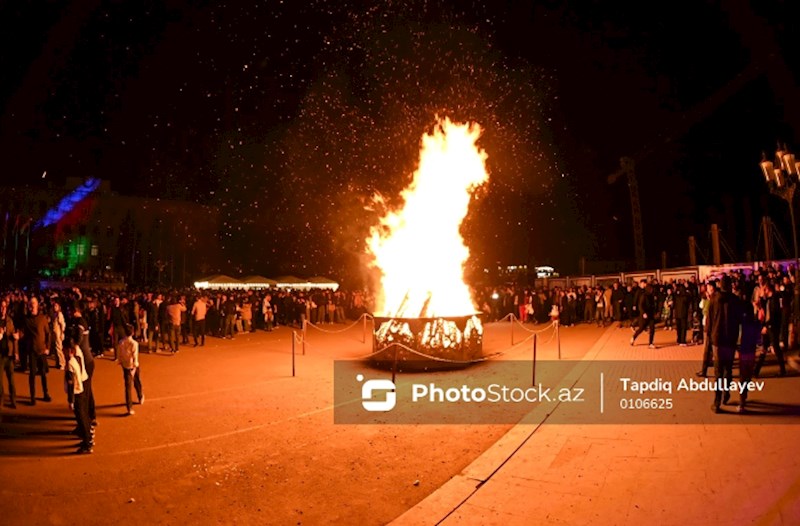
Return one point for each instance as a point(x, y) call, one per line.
point(95, 250)
point(80, 249)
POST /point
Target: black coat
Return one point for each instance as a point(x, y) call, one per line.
point(682, 306)
point(647, 304)
point(724, 319)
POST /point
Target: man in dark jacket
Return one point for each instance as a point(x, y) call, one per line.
point(79, 332)
point(647, 314)
point(36, 340)
point(724, 321)
point(617, 298)
point(8, 337)
point(682, 313)
point(771, 303)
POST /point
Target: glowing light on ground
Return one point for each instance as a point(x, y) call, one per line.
point(418, 248)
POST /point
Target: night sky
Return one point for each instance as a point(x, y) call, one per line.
point(290, 115)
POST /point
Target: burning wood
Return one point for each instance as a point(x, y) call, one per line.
point(423, 302)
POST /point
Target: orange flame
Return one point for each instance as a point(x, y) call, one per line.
point(418, 248)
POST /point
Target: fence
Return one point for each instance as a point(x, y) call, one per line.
point(700, 272)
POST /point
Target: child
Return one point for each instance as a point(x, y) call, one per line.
point(697, 329)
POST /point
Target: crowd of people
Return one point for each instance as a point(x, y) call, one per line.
point(750, 312)
point(70, 328)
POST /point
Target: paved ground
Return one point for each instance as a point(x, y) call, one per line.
point(227, 435)
point(706, 473)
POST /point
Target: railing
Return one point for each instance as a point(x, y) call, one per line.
point(700, 272)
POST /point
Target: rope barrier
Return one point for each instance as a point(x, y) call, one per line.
point(298, 337)
point(532, 331)
point(329, 331)
point(460, 362)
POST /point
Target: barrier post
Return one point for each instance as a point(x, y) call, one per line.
point(294, 337)
point(558, 338)
point(364, 333)
point(511, 320)
point(533, 374)
point(305, 323)
point(394, 364)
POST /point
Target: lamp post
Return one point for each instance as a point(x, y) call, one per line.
point(782, 179)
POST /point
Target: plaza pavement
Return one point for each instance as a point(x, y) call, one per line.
point(725, 469)
point(228, 436)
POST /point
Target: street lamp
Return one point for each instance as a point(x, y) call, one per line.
point(782, 179)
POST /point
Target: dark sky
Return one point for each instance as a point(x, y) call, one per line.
point(289, 115)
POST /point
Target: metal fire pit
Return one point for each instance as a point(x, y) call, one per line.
point(440, 343)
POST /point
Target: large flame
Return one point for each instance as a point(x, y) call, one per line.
point(418, 248)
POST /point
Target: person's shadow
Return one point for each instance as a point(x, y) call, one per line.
point(759, 408)
point(36, 435)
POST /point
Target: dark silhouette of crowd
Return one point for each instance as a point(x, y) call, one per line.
point(73, 326)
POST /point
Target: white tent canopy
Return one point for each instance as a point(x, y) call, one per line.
point(258, 282)
point(221, 281)
point(218, 281)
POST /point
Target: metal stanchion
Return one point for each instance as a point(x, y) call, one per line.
point(364, 334)
point(511, 320)
point(394, 364)
point(533, 374)
point(558, 338)
point(294, 337)
point(305, 324)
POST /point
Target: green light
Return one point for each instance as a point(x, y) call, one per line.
point(73, 253)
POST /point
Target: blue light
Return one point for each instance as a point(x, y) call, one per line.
point(69, 202)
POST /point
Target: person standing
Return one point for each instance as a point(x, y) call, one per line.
point(787, 301)
point(608, 314)
point(617, 299)
point(35, 340)
point(175, 310)
point(751, 334)
point(681, 312)
point(770, 303)
point(94, 316)
point(128, 352)
point(185, 317)
point(7, 338)
point(246, 313)
point(199, 311)
point(724, 321)
point(228, 308)
point(599, 306)
point(58, 326)
point(269, 315)
point(80, 333)
point(74, 377)
point(705, 301)
point(117, 318)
